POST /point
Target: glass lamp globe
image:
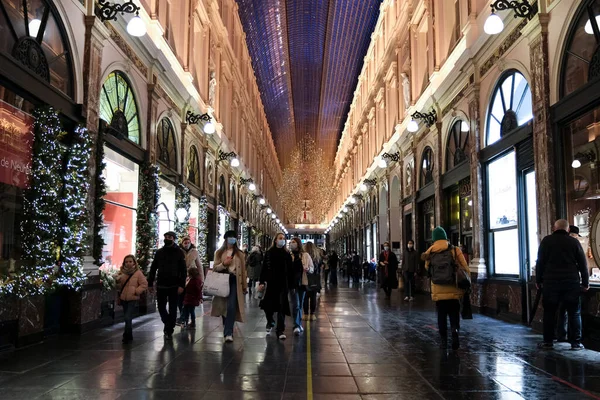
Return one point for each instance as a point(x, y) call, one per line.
point(363, 187)
point(269, 211)
point(353, 200)
point(345, 209)
point(262, 201)
point(576, 164)
point(235, 162)
point(181, 213)
point(412, 126)
point(209, 128)
point(252, 187)
point(493, 24)
point(278, 220)
point(136, 27)
point(273, 216)
point(382, 163)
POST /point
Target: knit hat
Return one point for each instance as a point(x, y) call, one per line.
point(439, 234)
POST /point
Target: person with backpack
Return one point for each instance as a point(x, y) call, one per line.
point(443, 261)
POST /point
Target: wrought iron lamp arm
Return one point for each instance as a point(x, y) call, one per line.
point(109, 11)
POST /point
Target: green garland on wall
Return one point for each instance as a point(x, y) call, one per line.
point(74, 215)
point(202, 244)
point(182, 200)
point(99, 202)
point(147, 220)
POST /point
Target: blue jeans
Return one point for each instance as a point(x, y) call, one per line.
point(188, 311)
point(232, 301)
point(296, 298)
point(128, 307)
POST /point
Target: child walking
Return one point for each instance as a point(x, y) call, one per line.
point(132, 283)
point(193, 298)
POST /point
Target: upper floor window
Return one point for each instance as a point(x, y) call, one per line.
point(510, 108)
point(165, 141)
point(427, 167)
point(457, 148)
point(118, 106)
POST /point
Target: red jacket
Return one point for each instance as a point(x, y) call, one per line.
point(193, 292)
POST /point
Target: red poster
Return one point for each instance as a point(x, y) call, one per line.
point(16, 138)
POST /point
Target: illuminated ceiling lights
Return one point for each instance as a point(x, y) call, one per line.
point(494, 25)
point(108, 11)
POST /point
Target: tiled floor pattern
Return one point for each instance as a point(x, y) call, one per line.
point(362, 347)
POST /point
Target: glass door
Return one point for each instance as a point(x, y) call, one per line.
point(531, 218)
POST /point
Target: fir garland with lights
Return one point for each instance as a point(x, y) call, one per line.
point(99, 202)
point(41, 224)
point(182, 200)
point(203, 230)
point(147, 220)
point(74, 216)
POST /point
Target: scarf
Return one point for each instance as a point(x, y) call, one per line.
point(129, 271)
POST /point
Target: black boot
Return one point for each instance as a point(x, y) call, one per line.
point(443, 342)
point(455, 341)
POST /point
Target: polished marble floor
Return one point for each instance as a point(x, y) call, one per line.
point(361, 347)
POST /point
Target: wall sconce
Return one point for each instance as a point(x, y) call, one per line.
point(583, 158)
point(107, 11)
point(493, 23)
point(429, 118)
point(194, 119)
point(357, 197)
point(370, 182)
point(393, 157)
point(251, 186)
point(229, 156)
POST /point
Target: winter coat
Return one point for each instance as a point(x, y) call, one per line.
point(392, 267)
point(219, 304)
point(274, 274)
point(410, 262)
point(314, 278)
point(169, 262)
point(135, 287)
point(445, 292)
point(192, 259)
point(560, 260)
point(254, 262)
point(300, 268)
point(332, 261)
point(193, 292)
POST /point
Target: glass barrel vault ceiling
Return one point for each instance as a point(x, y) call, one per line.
point(307, 55)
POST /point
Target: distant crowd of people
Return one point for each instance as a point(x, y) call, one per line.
point(288, 277)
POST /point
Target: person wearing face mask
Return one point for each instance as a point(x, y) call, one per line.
point(389, 265)
point(410, 265)
point(229, 259)
point(302, 265)
point(169, 262)
point(274, 282)
point(192, 259)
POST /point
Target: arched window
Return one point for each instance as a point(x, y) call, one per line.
point(233, 198)
point(119, 108)
point(165, 142)
point(193, 166)
point(510, 107)
point(581, 61)
point(222, 191)
point(457, 148)
point(38, 41)
point(427, 167)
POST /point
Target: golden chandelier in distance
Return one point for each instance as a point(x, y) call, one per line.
point(307, 190)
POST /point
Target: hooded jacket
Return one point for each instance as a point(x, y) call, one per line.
point(445, 292)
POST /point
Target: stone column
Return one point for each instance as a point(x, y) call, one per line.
point(437, 173)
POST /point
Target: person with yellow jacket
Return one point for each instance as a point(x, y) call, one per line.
point(441, 261)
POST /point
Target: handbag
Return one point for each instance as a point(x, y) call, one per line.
point(216, 284)
point(123, 288)
point(463, 279)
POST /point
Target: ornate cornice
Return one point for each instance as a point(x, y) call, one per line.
point(508, 42)
point(459, 96)
point(125, 48)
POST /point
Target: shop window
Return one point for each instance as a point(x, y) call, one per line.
point(165, 208)
point(37, 41)
point(118, 107)
point(427, 167)
point(121, 176)
point(165, 141)
point(511, 107)
point(193, 167)
point(193, 227)
point(581, 62)
point(458, 149)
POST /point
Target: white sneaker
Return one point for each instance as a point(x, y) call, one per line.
point(297, 331)
point(282, 337)
point(301, 328)
point(411, 299)
point(269, 331)
point(406, 298)
point(228, 339)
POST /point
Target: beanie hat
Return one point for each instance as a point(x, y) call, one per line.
point(439, 234)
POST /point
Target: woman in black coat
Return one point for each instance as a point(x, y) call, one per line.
point(275, 270)
point(389, 266)
point(410, 267)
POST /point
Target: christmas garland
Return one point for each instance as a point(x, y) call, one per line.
point(74, 216)
point(203, 230)
point(41, 224)
point(147, 221)
point(182, 200)
point(99, 202)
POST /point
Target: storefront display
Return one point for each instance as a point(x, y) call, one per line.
point(121, 176)
point(165, 209)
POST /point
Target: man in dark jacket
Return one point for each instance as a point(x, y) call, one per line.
point(169, 261)
point(355, 273)
point(562, 274)
point(388, 263)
